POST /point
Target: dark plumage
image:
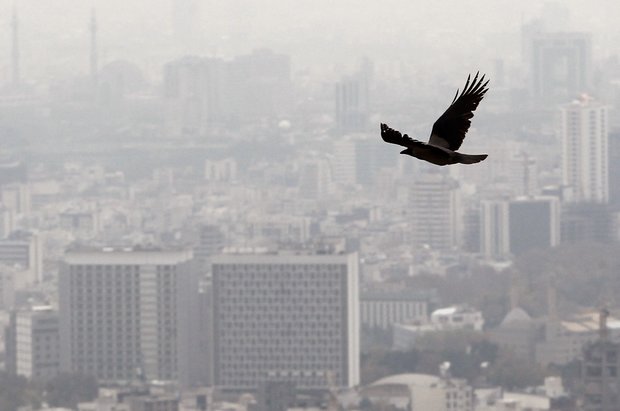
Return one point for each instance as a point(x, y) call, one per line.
point(448, 131)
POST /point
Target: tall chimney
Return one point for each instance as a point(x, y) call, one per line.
point(15, 47)
point(514, 292)
point(93, 47)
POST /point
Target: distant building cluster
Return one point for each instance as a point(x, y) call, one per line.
point(227, 231)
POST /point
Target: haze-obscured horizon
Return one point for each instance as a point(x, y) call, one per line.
point(448, 36)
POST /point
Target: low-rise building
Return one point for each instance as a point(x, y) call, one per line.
point(496, 399)
point(565, 340)
point(421, 392)
point(382, 309)
point(444, 319)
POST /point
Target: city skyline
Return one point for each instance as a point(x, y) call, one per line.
point(198, 211)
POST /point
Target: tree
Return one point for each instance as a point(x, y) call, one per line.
point(67, 390)
point(365, 404)
point(16, 391)
point(379, 364)
point(511, 372)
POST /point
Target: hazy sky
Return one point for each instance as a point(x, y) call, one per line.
point(54, 35)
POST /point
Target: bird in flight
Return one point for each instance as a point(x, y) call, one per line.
point(448, 131)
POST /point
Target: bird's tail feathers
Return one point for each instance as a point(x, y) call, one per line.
point(472, 158)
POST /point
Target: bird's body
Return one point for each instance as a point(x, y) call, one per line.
point(443, 156)
point(448, 131)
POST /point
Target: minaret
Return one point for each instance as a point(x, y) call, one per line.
point(553, 324)
point(93, 47)
point(552, 299)
point(514, 292)
point(15, 51)
point(603, 330)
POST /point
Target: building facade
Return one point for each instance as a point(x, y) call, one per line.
point(352, 103)
point(561, 65)
point(435, 211)
point(285, 317)
point(614, 168)
point(7, 287)
point(421, 392)
point(33, 343)
point(513, 227)
point(24, 251)
point(600, 379)
point(124, 313)
point(584, 134)
point(382, 309)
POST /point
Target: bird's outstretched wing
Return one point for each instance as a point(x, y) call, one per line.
point(449, 130)
point(389, 135)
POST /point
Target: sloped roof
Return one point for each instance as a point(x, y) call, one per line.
point(408, 379)
point(516, 315)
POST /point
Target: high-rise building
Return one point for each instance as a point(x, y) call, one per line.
point(210, 242)
point(584, 134)
point(614, 168)
point(352, 103)
point(344, 167)
point(534, 224)
point(194, 93)
point(285, 317)
point(561, 65)
point(513, 227)
point(201, 93)
point(125, 314)
point(35, 345)
point(494, 229)
point(315, 178)
point(435, 211)
point(359, 159)
point(523, 174)
point(587, 223)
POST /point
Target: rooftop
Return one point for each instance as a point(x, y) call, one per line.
point(424, 380)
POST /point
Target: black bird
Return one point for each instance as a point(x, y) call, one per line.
point(448, 131)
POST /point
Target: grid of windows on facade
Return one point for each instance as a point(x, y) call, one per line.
point(383, 314)
point(279, 321)
point(166, 321)
point(120, 313)
point(45, 348)
point(105, 320)
point(459, 399)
